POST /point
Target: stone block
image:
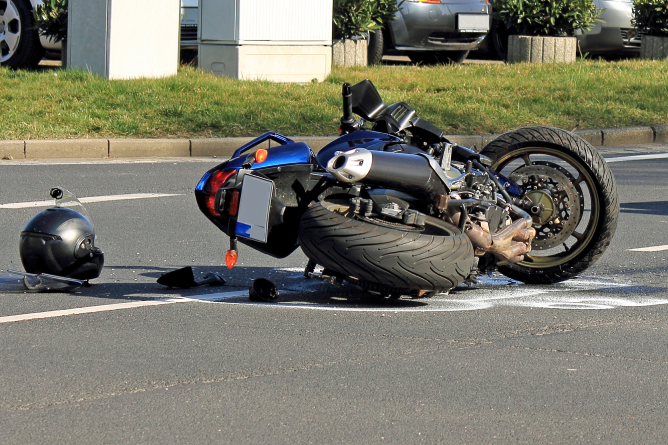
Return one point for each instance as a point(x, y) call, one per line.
point(67, 148)
point(627, 136)
point(594, 137)
point(654, 47)
point(660, 133)
point(539, 49)
point(361, 52)
point(12, 150)
point(338, 53)
point(130, 148)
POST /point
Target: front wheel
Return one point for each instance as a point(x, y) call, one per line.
point(382, 255)
point(570, 193)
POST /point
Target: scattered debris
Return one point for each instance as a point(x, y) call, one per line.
point(15, 281)
point(184, 278)
point(263, 290)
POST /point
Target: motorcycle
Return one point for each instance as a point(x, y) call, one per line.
point(398, 209)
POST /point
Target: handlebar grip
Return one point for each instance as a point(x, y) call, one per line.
point(347, 94)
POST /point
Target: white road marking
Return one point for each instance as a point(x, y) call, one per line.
point(166, 299)
point(650, 249)
point(637, 157)
point(49, 203)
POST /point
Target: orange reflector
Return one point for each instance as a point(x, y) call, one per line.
point(234, 203)
point(230, 259)
point(261, 155)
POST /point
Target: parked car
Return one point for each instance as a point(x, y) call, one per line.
point(614, 36)
point(22, 47)
point(431, 31)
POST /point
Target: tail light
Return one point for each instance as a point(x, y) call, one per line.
point(211, 185)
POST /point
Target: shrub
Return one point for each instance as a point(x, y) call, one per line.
point(546, 17)
point(651, 17)
point(51, 19)
point(356, 17)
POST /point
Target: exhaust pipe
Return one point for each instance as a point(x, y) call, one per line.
point(400, 171)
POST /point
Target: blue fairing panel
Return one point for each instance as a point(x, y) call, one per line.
point(288, 154)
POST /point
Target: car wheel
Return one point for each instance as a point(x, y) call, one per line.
point(499, 35)
point(19, 41)
point(438, 57)
point(375, 48)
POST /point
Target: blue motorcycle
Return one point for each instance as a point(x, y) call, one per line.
point(398, 209)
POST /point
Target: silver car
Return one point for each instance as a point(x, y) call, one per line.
point(616, 34)
point(433, 30)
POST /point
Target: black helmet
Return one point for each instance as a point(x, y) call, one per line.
point(60, 241)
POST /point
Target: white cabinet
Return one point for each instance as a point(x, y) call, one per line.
point(279, 40)
point(124, 39)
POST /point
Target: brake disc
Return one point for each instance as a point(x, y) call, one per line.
point(552, 199)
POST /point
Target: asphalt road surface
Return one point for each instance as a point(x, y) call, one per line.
point(129, 361)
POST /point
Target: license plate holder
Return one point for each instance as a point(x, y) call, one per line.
point(254, 205)
point(473, 22)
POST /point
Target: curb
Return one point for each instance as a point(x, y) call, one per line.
point(224, 147)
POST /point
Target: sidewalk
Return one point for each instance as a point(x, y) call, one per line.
point(224, 147)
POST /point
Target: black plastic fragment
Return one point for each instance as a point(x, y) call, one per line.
point(263, 290)
point(184, 278)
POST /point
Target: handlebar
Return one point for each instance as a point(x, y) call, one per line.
point(347, 120)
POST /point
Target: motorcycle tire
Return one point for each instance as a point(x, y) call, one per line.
point(383, 256)
point(555, 166)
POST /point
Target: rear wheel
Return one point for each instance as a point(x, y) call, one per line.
point(438, 57)
point(570, 193)
point(383, 255)
point(19, 41)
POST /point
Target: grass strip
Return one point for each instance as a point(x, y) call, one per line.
point(460, 99)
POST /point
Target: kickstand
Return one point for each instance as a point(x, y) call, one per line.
point(310, 267)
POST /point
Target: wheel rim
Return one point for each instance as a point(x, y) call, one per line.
point(568, 192)
point(10, 29)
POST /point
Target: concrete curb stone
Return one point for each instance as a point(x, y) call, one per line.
point(67, 148)
point(627, 136)
point(12, 149)
point(660, 133)
point(224, 147)
point(128, 148)
point(594, 137)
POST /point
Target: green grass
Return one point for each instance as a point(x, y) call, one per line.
point(463, 99)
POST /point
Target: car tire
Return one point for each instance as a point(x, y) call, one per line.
point(438, 57)
point(499, 35)
point(376, 47)
point(19, 40)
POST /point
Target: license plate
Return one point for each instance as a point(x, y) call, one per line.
point(254, 202)
point(473, 22)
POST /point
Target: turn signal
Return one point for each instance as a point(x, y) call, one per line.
point(230, 259)
point(261, 155)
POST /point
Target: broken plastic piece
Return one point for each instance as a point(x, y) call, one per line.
point(15, 281)
point(263, 290)
point(184, 278)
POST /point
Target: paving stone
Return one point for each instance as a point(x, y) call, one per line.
point(660, 133)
